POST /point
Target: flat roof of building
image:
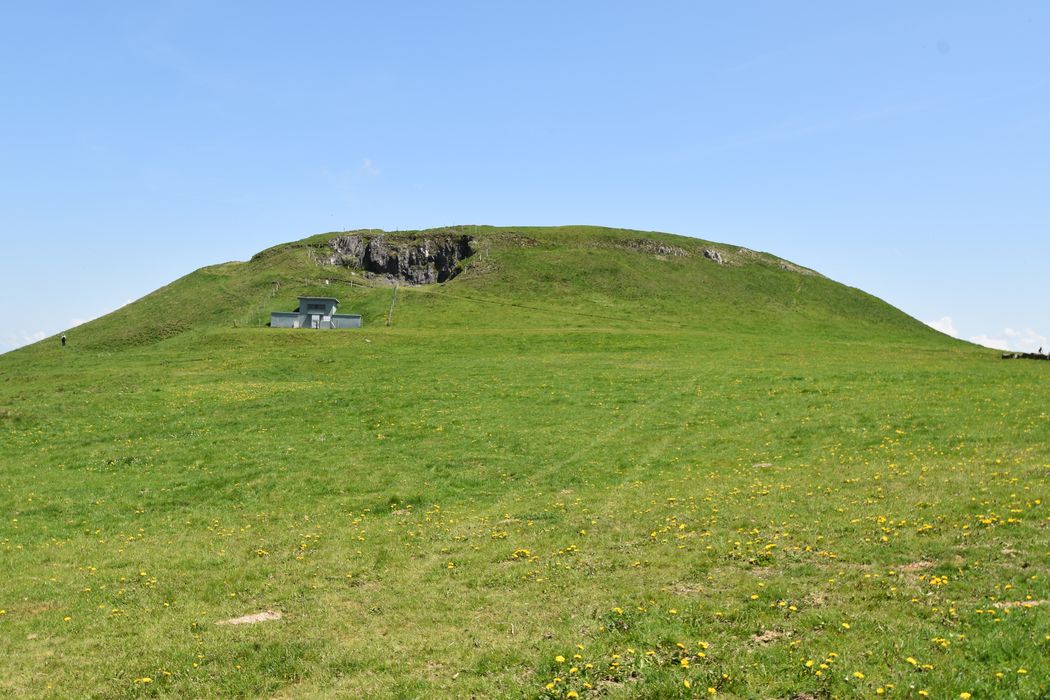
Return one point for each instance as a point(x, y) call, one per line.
point(321, 299)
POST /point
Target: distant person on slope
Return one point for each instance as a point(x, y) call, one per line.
point(64, 340)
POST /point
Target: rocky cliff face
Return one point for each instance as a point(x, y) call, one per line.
point(410, 260)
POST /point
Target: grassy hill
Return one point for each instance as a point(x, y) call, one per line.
point(524, 278)
point(595, 463)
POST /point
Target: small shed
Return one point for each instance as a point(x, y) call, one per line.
point(315, 312)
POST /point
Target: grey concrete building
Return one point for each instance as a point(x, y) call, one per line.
point(315, 312)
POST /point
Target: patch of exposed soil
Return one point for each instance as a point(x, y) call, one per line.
point(683, 588)
point(264, 616)
point(815, 599)
point(769, 636)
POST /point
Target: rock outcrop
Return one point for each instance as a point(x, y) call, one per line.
point(404, 259)
point(650, 247)
point(714, 255)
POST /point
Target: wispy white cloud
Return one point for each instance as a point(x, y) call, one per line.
point(368, 167)
point(17, 339)
point(1026, 340)
point(990, 342)
point(945, 325)
point(74, 322)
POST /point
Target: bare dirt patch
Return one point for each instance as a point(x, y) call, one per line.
point(1019, 603)
point(264, 616)
point(684, 588)
point(769, 636)
point(816, 598)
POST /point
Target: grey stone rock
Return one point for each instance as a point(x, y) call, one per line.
point(408, 260)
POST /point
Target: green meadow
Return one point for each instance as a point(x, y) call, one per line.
point(595, 464)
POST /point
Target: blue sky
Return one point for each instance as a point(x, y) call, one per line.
point(903, 148)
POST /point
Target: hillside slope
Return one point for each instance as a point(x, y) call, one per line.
point(521, 278)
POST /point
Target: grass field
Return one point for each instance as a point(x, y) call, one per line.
point(579, 469)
